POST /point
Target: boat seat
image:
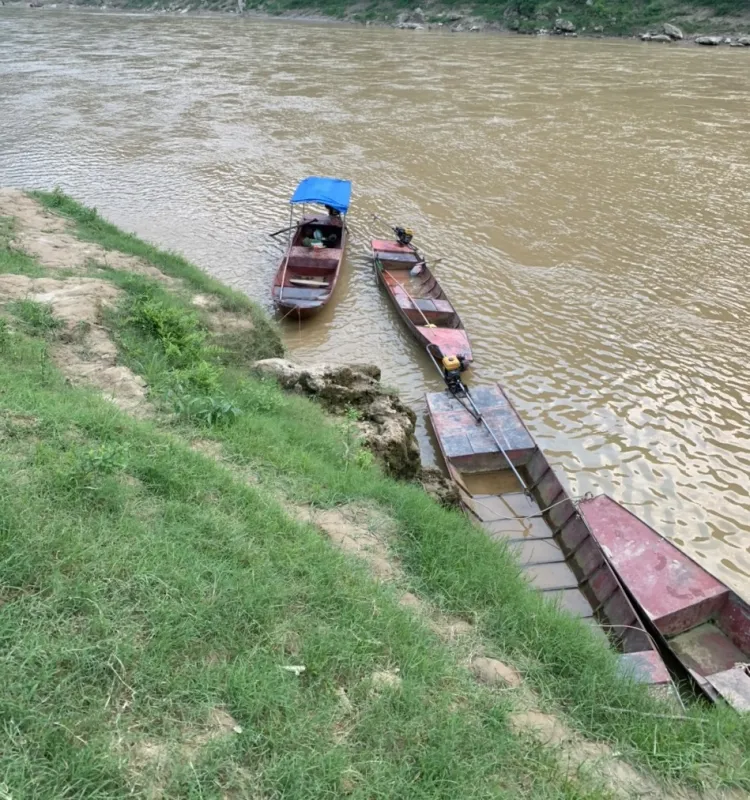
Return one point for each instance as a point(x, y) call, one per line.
point(294, 293)
point(435, 311)
point(397, 261)
point(312, 284)
point(440, 306)
point(322, 257)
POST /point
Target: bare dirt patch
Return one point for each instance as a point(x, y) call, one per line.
point(44, 235)
point(83, 351)
point(150, 760)
point(594, 761)
point(348, 530)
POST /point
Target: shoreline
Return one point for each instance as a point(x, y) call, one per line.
point(226, 540)
point(476, 24)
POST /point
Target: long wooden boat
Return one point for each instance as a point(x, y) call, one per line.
point(309, 270)
point(559, 556)
point(695, 617)
point(419, 299)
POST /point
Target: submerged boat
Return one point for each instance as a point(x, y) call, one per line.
point(309, 271)
point(419, 299)
point(513, 493)
point(702, 623)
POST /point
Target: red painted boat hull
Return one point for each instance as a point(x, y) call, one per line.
point(702, 623)
point(420, 301)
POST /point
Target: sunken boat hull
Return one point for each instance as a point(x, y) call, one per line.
point(558, 554)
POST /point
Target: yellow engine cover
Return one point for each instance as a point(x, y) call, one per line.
point(451, 363)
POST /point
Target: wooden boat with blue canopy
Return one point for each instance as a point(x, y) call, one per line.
point(309, 271)
point(509, 488)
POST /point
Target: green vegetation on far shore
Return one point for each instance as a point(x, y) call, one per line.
point(154, 587)
point(610, 17)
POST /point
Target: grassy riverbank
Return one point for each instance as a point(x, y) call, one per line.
point(608, 17)
point(161, 569)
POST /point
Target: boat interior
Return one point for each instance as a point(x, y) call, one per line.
point(706, 625)
point(537, 520)
point(419, 296)
point(313, 258)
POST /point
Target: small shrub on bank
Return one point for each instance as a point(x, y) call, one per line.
point(37, 318)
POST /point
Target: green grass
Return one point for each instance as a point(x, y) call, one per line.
point(142, 585)
point(13, 260)
point(37, 318)
point(91, 227)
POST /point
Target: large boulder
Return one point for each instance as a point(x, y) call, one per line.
point(672, 31)
point(385, 422)
point(660, 37)
point(744, 40)
point(564, 25)
point(709, 40)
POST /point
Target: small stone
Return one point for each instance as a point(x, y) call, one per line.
point(345, 704)
point(493, 672)
point(645, 37)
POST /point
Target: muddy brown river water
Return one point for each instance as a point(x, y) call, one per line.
point(590, 199)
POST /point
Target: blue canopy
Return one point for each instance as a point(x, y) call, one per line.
point(326, 191)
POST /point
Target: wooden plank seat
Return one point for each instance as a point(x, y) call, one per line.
point(397, 260)
point(321, 257)
point(430, 307)
point(313, 284)
point(295, 293)
point(387, 246)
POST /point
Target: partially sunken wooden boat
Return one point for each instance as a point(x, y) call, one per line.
point(309, 271)
point(702, 622)
point(419, 299)
point(559, 555)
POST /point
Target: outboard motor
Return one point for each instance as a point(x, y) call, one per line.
point(403, 236)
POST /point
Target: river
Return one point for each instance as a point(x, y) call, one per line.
point(589, 200)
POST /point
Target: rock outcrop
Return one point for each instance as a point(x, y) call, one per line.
point(439, 487)
point(411, 20)
point(384, 420)
point(564, 26)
